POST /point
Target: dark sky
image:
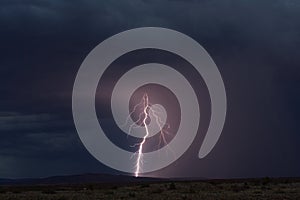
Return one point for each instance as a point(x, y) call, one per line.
point(255, 45)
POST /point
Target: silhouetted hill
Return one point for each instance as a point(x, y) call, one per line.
point(77, 179)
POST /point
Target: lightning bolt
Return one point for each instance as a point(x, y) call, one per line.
point(140, 151)
point(142, 121)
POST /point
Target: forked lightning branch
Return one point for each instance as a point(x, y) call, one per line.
point(143, 116)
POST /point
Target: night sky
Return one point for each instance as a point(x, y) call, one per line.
point(255, 45)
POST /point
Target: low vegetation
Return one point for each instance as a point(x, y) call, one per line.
point(248, 189)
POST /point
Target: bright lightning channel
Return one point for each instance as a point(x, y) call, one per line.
point(140, 151)
point(143, 116)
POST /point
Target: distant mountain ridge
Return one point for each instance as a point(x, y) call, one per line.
point(78, 179)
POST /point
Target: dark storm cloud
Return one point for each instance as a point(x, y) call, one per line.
point(254, 43)
point(242, 25)
point(19, 122)
point(29, 135)
point(39, 145)
point(35, 135)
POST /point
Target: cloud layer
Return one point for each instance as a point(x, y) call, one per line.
point(254, 43)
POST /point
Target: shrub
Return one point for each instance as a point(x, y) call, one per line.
point(172, 186)
point(131, 194)
point(49, 192)
point(144, 186)
point(157, 191)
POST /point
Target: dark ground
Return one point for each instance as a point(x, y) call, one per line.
point(263, 188)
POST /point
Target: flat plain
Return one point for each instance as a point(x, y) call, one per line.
point(248, 189)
